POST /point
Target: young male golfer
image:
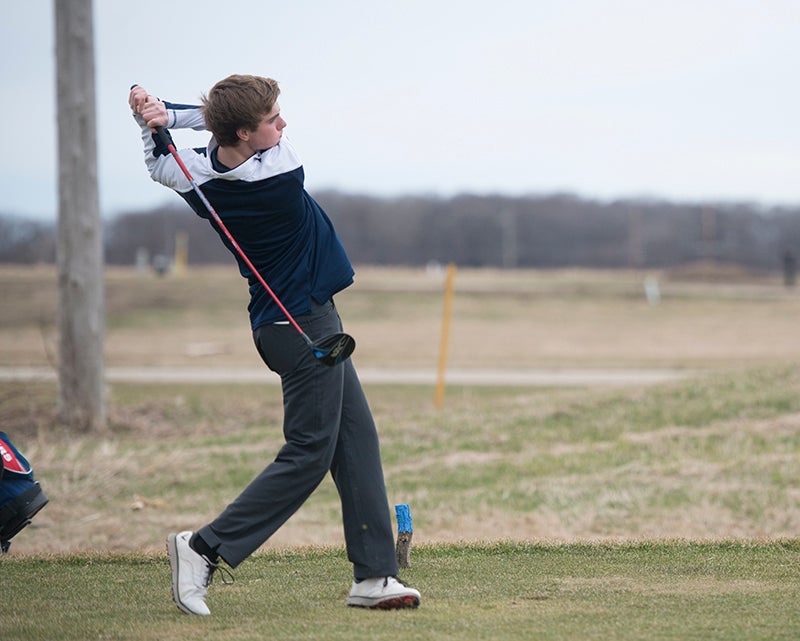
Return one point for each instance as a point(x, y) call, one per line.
point(253, 178)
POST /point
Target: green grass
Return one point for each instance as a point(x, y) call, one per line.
point(498, 591)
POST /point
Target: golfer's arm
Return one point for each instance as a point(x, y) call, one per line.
point(184, 117)
point(160, 165)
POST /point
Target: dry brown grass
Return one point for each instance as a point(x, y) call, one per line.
point(513, 320)
point(515, 464)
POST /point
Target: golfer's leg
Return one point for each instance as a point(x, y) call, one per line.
point(312, 395)
point(358, 474)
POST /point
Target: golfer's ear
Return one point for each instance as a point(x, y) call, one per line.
point(243, 134)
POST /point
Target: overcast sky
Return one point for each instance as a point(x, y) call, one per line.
point(678, 99)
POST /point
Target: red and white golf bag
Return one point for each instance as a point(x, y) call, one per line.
point(21, 497)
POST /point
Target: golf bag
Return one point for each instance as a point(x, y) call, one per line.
point(20, 496)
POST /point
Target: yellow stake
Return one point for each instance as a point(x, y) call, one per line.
point(181, 252)
point(448, 311)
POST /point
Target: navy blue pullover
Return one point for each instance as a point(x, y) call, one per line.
point(263, 203)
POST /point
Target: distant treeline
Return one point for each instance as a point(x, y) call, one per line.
point(473, 231)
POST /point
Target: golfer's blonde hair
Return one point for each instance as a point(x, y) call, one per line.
point(238, 102)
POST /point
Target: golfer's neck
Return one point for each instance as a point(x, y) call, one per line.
point(233, 156)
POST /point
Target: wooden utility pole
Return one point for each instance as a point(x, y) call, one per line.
point(80, 249)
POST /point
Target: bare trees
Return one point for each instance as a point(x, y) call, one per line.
point(547, 231)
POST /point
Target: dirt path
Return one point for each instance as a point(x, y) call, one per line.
point(569, 377)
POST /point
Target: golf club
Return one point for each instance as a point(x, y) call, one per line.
point(329, 350)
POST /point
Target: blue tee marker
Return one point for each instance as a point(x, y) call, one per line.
point(405, 531)
point(403, 513)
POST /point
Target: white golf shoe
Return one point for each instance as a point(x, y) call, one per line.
point(383, 593)
point(191, 574)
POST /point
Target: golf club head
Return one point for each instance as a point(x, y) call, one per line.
point(333, 349)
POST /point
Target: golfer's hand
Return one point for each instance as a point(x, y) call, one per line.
point(150, 108)
point(136, 98)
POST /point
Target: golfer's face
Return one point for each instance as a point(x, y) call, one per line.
point(269, 131)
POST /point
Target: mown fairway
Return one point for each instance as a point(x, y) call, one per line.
point(495, 591)
point(665, 511)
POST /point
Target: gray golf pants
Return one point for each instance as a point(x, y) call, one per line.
point(327, 425)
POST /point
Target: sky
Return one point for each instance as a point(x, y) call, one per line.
point(685, 100)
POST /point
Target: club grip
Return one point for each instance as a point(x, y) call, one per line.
point(162, 133)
